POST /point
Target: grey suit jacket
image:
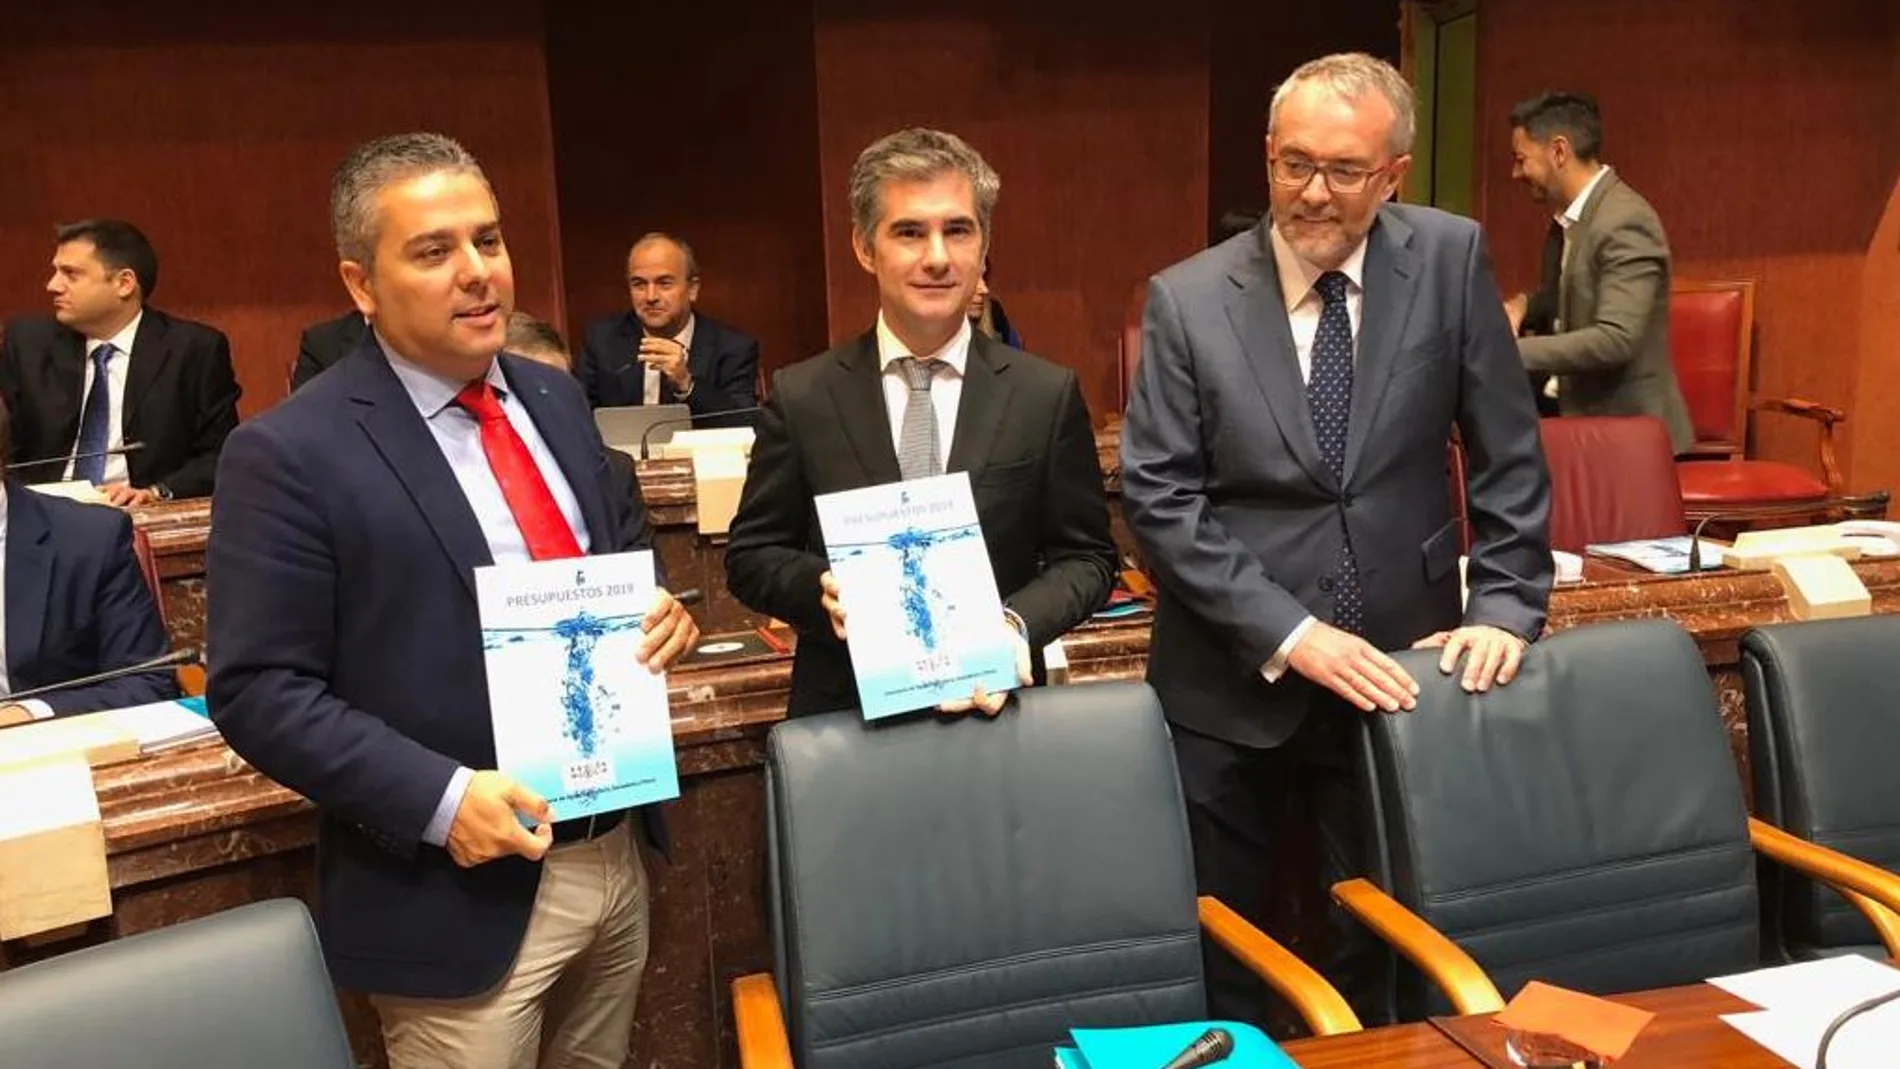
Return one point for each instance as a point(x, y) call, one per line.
point(1612, 353)
point(1238, 516)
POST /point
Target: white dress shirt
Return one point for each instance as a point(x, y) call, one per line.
point(650, 375)
point(36, 708)
point(1303, 308)
point(459, 437)
point(946, 387)
point(115, 392)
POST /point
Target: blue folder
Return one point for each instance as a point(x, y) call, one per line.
point(1152, 1047)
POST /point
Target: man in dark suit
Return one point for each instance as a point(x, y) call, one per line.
point(1283, 469)
point(107, 371)
point(921, 203)
point(663, 352)
point(76, 605)
point(1604, 335)
point(347, 527)
point(325, 344)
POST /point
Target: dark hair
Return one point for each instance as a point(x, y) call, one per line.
point(1236, 221)
point(1574, 115)
point(6, 435)
point(120, 246)
point(525, 331)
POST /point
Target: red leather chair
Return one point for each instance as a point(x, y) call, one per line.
point(1612, 479)
point(1711, 333)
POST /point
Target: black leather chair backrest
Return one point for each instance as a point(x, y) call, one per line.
point(958, 893)
point(236, 990)
point(1583, 825)
point(1823, 738)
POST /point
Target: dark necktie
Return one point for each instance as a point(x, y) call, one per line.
point(1329, 395)
point(537, 514)
point(95, 421)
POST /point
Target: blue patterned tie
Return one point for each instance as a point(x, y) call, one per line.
point(1329, 395)
point(95, 420)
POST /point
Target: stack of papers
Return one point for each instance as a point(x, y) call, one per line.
point(1667, 556)
point(163, 726)
point(1155, 1046)
point(1798, 1002)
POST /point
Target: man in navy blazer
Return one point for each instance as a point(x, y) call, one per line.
point(347, 526)
point(76, 605)
point(1284, 472)
point(663, 352)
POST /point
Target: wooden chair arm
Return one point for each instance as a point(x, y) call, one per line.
point(1320, 1004)
point(1453, 970)
point(1826, 415)
point(1865, 885)
point(760, 1023)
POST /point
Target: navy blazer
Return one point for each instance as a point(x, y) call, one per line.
point(181, 398)
point(724, 362)
point(347, 660)
point(1242, 521)
point(77, 604)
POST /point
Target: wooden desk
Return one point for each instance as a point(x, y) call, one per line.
point(1687, 1032)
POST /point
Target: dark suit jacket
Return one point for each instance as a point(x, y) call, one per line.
point(1238, 516)
point(325, 344)
point(1611, 356)
point(180, 399)
point(724, 362)
point(1022, 433)
point(349, 656)
point(77, 604)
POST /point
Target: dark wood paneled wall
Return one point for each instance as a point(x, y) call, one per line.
point(700, 120)
point(1095, 115)
point(214, 126)
point(1763, 133)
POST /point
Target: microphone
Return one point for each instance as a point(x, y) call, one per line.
point(1794, 508)
point(127, 448)
point(657, 424)
point(1214, 1046)
point(188, 655)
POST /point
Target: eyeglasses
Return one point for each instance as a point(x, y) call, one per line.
point(1297, 171)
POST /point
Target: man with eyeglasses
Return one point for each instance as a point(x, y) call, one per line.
point(1283, 469)
point(1599, 325)
point(662, 352)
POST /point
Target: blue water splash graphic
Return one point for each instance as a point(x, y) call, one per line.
point(586, 708)
point(918, 597)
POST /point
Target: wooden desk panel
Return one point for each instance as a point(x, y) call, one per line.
point(1687, 1031)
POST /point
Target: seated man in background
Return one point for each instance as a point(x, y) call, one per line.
point(1603, 304)
point(323, 344)
point(76, 605)
point(662, 352)
point(107, 373)
point(537, 340)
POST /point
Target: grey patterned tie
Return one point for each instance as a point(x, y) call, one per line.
point(918, 445)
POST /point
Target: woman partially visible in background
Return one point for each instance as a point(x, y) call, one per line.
point(986, 313)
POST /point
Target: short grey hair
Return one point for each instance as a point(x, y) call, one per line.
point(1352, 75)
point(374, 166)
point(651, 236)
point(918, 155)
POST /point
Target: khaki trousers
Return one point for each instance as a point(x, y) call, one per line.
point(568, 1001)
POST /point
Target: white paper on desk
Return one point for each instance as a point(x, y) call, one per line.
point(1869, 1041)
point(167, 725)
point(1799, 1002)
point(1827, 985)
point(58, 794)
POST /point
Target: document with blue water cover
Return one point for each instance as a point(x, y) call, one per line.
point(578, 720)
point(924, 619)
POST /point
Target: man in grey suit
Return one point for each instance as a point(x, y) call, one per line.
point(1607, 342)
point(1283, 469)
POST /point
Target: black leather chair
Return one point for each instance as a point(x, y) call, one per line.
point(962, 892)
point(236, 990)
point(1583, 825)
point(1823, 734)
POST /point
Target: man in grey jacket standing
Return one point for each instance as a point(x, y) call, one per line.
point(1603, 331)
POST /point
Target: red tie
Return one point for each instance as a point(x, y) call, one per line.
point(536, 513)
